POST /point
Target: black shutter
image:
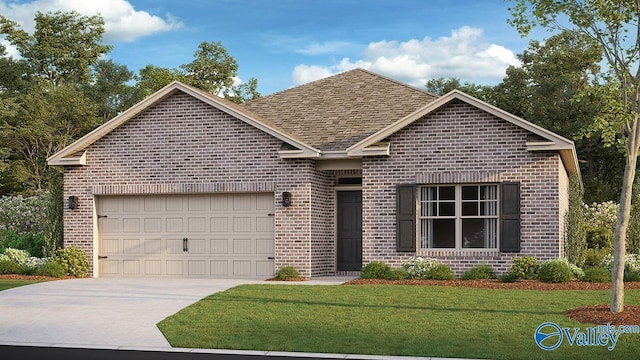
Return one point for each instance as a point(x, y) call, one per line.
point(509, 217)
point(406, 218)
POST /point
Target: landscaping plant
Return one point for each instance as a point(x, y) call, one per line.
point(525, 267)
point(375, 270)
point(599, 274)
point(73, 260)
point(555, 271)
point(479, 272)
point(287, 273)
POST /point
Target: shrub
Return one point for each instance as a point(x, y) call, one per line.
point(525, 267)
point(597, 274)
point(9, 267)
point(33, 243)
point(396, 274)
point(555, 271)
point(52, 269)
point(28, 269)
point(478, 272)
point(632, 276)
point(16, 255)
point(73, 260)
point(375, 270)
point(600, 223)
point(509, 277)
point(23, 214)
point(577, 272)
point(287, 273)
point(594, 257)
point(418, 267)
point(440, 272)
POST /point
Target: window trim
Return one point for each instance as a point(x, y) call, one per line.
point(458, 218)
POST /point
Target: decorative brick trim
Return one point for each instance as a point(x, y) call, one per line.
point(457, 177)
point(144, 189)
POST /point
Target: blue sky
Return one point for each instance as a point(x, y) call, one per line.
point(284, 43)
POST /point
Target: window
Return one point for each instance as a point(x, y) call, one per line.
point(459, 217)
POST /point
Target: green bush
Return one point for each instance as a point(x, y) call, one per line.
point(27, 269)
point(631, 275)
point(73, 260)
point(525, 267)
point(594, 257)
point(509, 277)
point(478, 272)
point(440, 272)
point(396, 274)
point(597, 274)
point(375, 270)
point(33, 243)
point(9, 267)
point(52, 269)
point(555, 271)
point(16, 255)
point(287, 273)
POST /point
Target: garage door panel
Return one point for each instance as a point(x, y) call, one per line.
point(131, 246)
point(152, 225)
point(153, 246)
point(219, 246)
point(229, 235)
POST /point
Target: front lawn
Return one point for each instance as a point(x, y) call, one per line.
point(8, 284)
point(405, 320)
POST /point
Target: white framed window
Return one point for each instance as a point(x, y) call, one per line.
point(458, 216)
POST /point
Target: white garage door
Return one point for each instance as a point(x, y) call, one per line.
point(216, 235)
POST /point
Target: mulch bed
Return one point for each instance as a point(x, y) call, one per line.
point(594, 314)
point(32, 277)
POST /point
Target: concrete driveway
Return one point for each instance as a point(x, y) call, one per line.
point(99, 312)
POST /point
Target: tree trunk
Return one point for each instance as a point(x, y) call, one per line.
point(622, 223)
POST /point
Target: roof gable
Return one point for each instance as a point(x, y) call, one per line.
point(545, 141)
point(74, 153)
point(333, 113)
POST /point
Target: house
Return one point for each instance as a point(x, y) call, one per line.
point(323, 177)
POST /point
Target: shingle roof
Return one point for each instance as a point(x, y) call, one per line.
point(336, 112)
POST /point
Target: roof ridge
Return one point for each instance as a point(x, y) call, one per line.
point(383, 77)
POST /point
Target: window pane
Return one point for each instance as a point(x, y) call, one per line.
point(428, 193)
point(447, 209)
point(489, 208)
point(469, 209)
point(447, 193)
point(444, 233)
point(488, 192)
point(479, 233)
point(469, 193)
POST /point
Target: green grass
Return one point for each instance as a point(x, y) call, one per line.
point(393, 320)
point(8, 284)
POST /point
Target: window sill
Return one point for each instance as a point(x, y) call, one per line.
point(458, 252)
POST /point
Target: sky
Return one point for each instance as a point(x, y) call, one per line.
point(285, 43)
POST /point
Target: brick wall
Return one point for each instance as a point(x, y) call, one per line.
point(461, 144)
point(182, 145)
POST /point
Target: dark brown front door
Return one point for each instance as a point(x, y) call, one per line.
point(349, 230)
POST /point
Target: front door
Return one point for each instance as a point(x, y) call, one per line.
point(350, 230)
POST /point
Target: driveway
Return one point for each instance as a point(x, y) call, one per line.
point(99, 312)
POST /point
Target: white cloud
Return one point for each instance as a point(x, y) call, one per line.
point(122, 21)
point(462, 55)
point(11, 50)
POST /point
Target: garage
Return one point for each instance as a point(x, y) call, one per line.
point(203, 235)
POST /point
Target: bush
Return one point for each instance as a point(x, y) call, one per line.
point(375, 270)
point(33, 243)
point(396, 274)
point(478, 272)
point(418, 268)
point(525, 267)
point(597, 274)
point(632, 276)
point(509, 277)
point(16, 255)
point(577, 272)
point(73, 260)
point(9, 267)
point(440, 272)
point(52, 269)
point(287, 273)
point(555, 271)
point(28, 269)
point(594, 257)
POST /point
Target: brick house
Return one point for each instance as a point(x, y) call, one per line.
point(324, 177)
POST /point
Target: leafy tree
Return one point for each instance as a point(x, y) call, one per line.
point(63, 46)
point(109, 88)
point(212, 70)
point(441, 86)
point(606, 23)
